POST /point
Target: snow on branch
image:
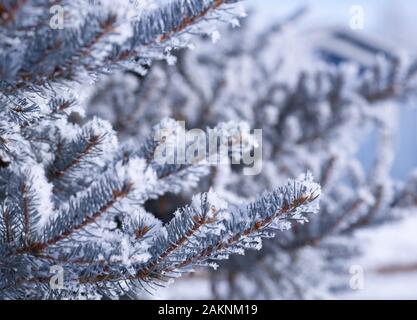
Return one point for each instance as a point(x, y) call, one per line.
point(92, 192)
point(65, 54)
point(39, 61)
point(207, 230)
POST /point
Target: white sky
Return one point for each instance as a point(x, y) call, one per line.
point(378, 14)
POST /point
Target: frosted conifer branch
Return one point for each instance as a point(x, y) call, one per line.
point(59, 55)
point(205, 231)
point(94, 39)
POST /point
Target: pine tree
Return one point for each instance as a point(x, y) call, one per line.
point(313, 115)
point(72, 195)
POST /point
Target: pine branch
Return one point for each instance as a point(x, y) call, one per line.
point(187, 244)
point(207, 230)
point(75, 226)
point(191, 18)
point(6, 225)
point(87, 150)
point(56, 58)
point(274, 210)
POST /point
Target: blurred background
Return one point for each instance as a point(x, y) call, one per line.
point(395, 245)
point(391, 248)
point(391, 23)
point(390, 252)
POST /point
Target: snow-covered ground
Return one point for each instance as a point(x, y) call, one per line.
point(389, 262)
